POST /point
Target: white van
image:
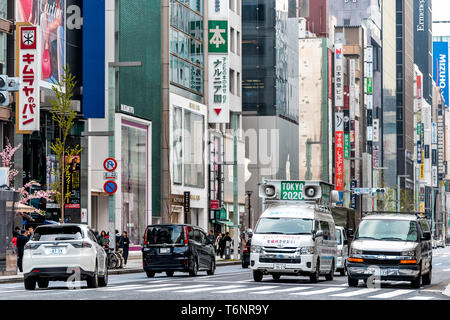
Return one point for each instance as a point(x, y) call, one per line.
point(296, 234)
point(342, 250)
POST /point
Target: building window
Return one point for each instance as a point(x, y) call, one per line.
point(134, 180)
point(177, 146)
point(232, 5)
point(232, 44)
point(346, 22)
point(194, 129)
point(238, 84)
point(238, 43)
point(232, 81)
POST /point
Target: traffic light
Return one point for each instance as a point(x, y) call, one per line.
point(4, 94)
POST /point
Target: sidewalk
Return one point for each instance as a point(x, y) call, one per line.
point(134, 265)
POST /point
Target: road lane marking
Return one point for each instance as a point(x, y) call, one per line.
point(177, 287)
point(208, 289)
point(18, 290)
point(135, 287)
point(445, 270)
point(420, 298)
point(355, 292)
point(391, 294)
point(317, 291)
point(438, 264)
point(281, 290)
point(249, 289)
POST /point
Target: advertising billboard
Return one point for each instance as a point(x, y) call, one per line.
point(49, 15)
point(440, 67)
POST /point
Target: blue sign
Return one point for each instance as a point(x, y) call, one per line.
point(110, 187)
point(94, 58)
point(440, 68)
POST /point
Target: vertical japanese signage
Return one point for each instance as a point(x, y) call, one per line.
point(218, 62)
point(440, 67)
point(72, 183)
point(28, 67)
point(368, 90)
point(339, 151)
point(330, 74)
point(339, 75)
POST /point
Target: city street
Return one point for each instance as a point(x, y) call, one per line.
point(235, 283)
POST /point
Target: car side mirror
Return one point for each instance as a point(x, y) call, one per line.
point(350, 233)
point(319, 233)
point(426, 236)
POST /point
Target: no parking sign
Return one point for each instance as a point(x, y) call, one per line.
point(110, 187)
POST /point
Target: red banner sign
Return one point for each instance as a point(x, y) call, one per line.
point(339, 158)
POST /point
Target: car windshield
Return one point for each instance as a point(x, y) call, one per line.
point(57, 233)
point(338, 236)
point(284, 226)
point(387, 229)
point(165, 235)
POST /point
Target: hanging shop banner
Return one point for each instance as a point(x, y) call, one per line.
point(72, 183)
point(28, 71)
point(339, 157)
point(418, 87)
point(346, 134)
point(422, 171)
point(339, 75)
point(440, 67)
point(217, 36)
point(352, 92)
point(376, 130)
point(219, 111)
point(330, 74)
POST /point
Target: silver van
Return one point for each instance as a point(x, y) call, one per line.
point(393, 247)
point(342, 250)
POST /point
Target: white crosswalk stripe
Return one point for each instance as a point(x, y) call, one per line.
point(355, 292)
point(281, 290)
point(136, 287)
point(420, 298)
point(327, 290)
point(176, 287)
point(391, 294)
point(249, 289)
point(219, 290)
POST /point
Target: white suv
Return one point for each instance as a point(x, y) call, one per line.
point(61, 253)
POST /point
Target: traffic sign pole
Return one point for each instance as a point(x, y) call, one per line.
point(111, 152)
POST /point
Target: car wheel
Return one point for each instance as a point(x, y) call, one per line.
point(194, 270)
point(426, 278)
point(211, 271)
point(352, 282)
point(92, 281)
point(257, 276)
point(314, 277)
point(276, 277)
point(330, 276)
point(150, 274)
point(417, 282)
point(169, 273)
point(42, 283)
point(30, 283)
point(103, 281)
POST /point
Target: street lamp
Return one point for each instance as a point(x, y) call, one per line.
point(249, 194)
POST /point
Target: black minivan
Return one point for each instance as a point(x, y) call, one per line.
point(177, 247)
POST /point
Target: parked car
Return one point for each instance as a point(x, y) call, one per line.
point(393, 247)
point(342, 250)
point(57, 252)
point(177, 247)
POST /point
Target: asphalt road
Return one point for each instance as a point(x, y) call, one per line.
point(235, 283)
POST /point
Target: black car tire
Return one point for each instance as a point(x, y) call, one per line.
point(352, 282)
point(257, 276)
point(194, 270)
point(211, 271)
point(150, 274)
point(417, 282)
point(169, 273)
point(330, 276)
point(314, 277)
point(426, 278)
point(276, 277)
point(92, 281)
point(30, 283)
point(42, 283)
point(103, 280)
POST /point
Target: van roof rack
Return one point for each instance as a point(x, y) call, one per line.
point(417, 214)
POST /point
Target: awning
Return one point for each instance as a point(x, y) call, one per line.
point(227, 223)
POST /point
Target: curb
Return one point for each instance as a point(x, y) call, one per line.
point(116, 271)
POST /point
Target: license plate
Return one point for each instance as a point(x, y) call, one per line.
point(56, 251)
point(164, 250)
point(279, 266)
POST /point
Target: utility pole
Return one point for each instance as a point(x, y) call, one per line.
point(249, 194)
point(235, 188)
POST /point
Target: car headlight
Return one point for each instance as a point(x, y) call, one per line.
point(256, 249)
point(409, 253)
point(307, 250)
point(355, 251)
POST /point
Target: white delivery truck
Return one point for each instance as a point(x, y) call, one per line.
point(296, 234)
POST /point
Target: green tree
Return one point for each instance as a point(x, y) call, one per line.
point(64, 116)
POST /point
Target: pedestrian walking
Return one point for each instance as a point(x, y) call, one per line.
point(217, 244)
point(210, 237)
point(124, 244)
point(22, 240)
